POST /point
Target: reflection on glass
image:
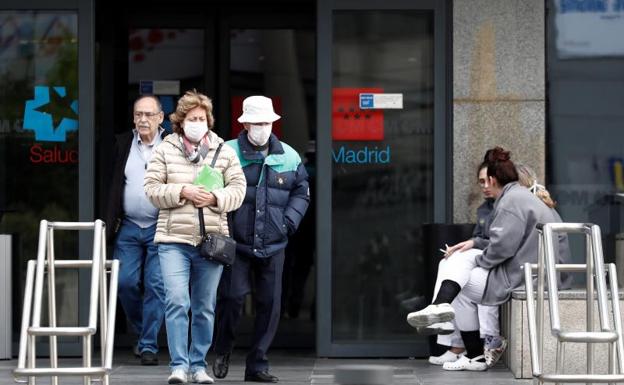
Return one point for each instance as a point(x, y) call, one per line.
point(39, 143)
point(585, 126)
point(183, 52)
point(382, 180)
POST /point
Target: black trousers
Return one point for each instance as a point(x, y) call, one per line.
point(236, 282)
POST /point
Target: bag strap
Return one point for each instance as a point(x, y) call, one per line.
point(216, 155)
point(200, 210)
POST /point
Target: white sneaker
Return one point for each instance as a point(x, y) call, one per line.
point(441, 328)
point(201, 377)
point(493, 355)
point(430, 315)
point(178, 376)
point(448, 356)
point(476, 364)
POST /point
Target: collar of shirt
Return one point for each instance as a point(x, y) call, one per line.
point(137, 137)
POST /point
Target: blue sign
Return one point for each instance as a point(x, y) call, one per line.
point(146, 87)
point(365, 155)
point(366, 101)
point(51, 114)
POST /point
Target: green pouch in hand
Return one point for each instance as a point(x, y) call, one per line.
point(210, 178)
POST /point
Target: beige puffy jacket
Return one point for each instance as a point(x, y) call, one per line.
point(169, 170)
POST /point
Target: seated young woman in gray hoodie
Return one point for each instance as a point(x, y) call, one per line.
point(491, 276)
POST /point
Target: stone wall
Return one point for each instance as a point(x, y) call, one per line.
point(498, 90)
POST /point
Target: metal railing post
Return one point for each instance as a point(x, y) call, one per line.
point(102, 297)
point(594, 269)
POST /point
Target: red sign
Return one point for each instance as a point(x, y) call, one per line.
point(349, 122)
point(236, 110)
point(56, 154)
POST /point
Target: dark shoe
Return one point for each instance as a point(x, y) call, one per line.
point(149, 359)
point(221, 365)
point(261, 377)
point(135, 350)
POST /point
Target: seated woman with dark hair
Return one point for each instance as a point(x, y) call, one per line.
point(490, 276)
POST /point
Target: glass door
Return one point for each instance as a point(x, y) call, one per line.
point(231, 51)
point(273, 54)
point(383, 120)
point(46, 145)
point(185, 42)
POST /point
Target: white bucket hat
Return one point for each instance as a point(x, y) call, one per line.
point(258, 109)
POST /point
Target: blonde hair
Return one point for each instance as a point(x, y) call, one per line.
point(528, 178)
point(190, 100)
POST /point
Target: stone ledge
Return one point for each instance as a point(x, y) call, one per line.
point(572, 314)
point(563, 294)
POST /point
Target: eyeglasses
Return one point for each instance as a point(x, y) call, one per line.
point(148, 115)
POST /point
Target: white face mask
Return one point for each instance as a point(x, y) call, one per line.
point(194, 131)
point(258, 134)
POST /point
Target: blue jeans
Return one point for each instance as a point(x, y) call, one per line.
point(181, 264)
point(138, 255)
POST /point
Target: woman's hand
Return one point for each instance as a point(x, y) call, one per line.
point(199, 196)
point(461, 246)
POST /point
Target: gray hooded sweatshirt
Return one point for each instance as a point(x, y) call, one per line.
point(513, 241)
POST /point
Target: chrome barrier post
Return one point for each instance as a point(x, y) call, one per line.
point(594, 269)
point(540, 299)
point(52, 301)
point(531, 318)
point(589, 294)
point(99, 300)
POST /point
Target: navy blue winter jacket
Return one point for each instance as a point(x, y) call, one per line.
point(277, 197)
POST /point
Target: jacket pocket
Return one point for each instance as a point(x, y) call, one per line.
point(276, 226)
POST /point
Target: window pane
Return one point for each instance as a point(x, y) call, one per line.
point(160, 54)
point(39, 143)
point(382, 181)
point(586, 121)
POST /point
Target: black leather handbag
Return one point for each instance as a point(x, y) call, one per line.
point(216, 247)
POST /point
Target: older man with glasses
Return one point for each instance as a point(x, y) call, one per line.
point(131, 224)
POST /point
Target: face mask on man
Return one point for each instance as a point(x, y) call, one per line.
point(258, 134)
point(194, 131)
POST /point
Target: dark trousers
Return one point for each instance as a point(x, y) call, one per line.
point(266, 276)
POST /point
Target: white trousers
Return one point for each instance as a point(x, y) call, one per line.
point(462, 268)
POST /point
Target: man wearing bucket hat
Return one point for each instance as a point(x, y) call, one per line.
point(277, 198)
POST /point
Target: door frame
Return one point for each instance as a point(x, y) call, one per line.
point(442, 144)
point(85, 10)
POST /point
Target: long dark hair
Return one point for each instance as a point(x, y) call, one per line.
point(500, 166)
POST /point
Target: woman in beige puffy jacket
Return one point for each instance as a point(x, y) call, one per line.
point(175, 164)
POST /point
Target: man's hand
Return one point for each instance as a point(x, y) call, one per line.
point(461, 246)
point(199, 196)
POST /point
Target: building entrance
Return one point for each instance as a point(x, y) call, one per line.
point(228, 51)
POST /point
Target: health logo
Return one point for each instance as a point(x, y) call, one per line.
point(51, 114)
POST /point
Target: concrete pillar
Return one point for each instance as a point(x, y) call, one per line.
point(498, 90)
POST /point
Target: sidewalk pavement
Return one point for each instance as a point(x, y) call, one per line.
point(293, 367)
